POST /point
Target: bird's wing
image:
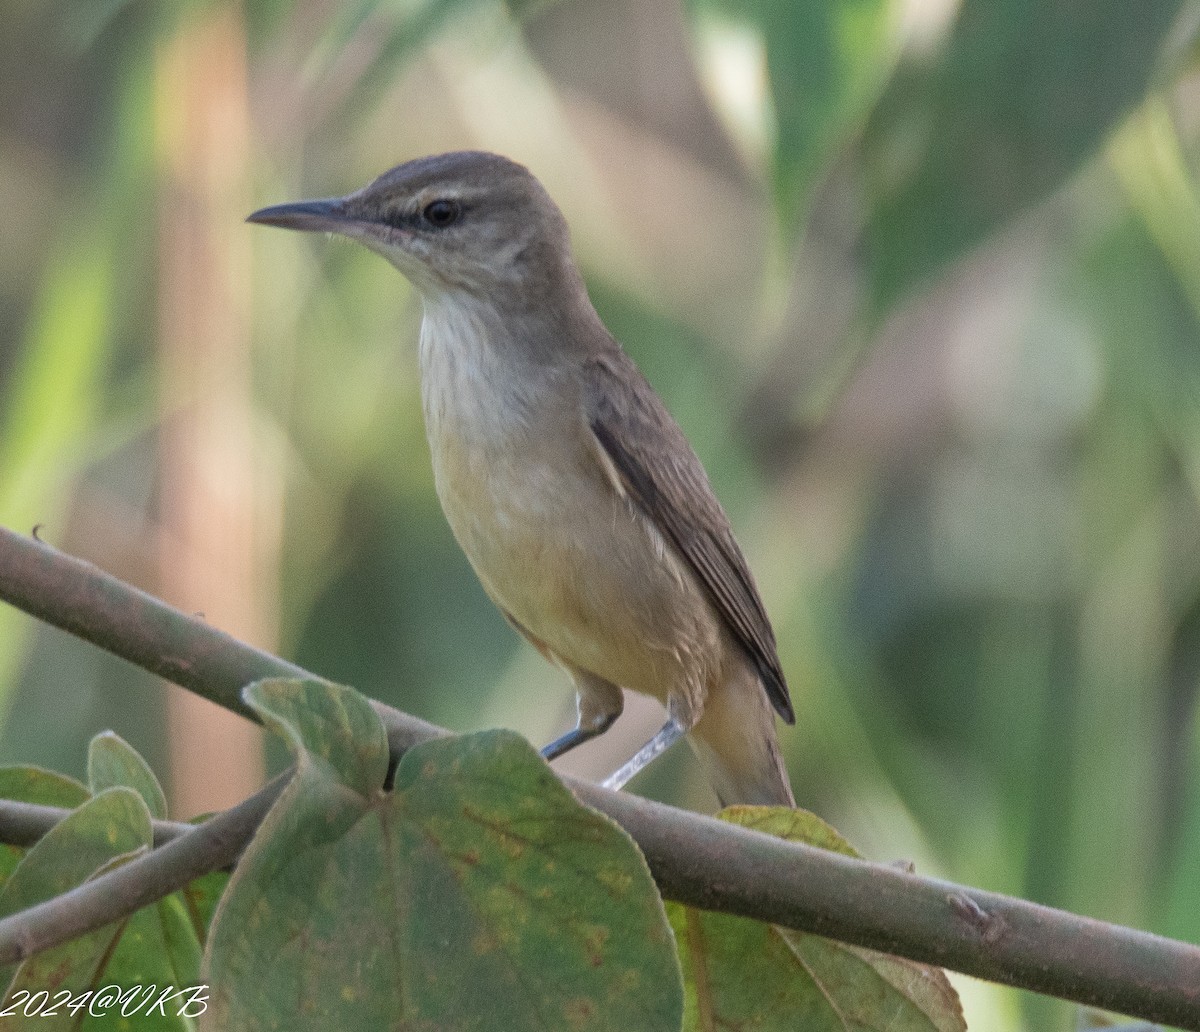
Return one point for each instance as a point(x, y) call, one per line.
point(658, 470)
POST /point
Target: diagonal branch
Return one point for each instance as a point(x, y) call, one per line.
point(695, 860)
point(75, 596)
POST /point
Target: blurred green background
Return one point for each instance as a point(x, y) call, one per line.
point(921, 282)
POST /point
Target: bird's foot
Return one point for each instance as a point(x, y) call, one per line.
point(670, 733)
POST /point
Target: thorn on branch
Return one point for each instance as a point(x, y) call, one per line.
point(37, 531)
point(989, 926)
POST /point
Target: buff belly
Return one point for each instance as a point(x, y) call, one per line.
point(574, 564)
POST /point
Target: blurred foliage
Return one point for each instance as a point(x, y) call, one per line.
point(951, 405)
point(1023, 91)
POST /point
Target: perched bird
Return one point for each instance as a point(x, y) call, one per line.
point(575, 495)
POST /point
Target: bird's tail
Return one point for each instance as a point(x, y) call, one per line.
point(735, 741)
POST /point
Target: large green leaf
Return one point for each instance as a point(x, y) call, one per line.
point(1024, 92)
point(752, 976)
point(476, 895)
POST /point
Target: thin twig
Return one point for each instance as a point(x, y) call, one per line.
point(695, 859)
point(23, 824)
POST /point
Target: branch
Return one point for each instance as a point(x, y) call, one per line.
point(23, 824)
point(75, 596)
point(695, 860)
point(210, 846)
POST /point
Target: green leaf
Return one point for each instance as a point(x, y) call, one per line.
point(1025, 91)
point(112, 761)
point(112, 824)
point(753, 976)
point(200, 899)
point(476, 895)
point(155, 947)
point(141, 956)
point(44, 787)
point(34, 785)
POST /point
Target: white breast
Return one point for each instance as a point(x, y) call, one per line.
point(485, 415)
point(467, 389)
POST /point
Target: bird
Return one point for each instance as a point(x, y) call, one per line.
point(586, 515)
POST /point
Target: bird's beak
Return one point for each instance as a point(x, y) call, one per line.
point(327, 216)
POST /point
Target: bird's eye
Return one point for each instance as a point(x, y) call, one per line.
point(441, 213)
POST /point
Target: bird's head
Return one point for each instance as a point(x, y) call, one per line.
point(467, 221)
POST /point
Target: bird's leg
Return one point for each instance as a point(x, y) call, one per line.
point(599, 703)
point(577, 736)
point(670, 733)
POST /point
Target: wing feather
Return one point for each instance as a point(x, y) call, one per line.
point(662, 475)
